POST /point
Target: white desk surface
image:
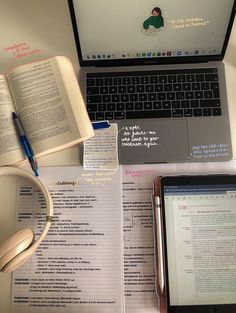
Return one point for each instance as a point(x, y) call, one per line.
point(44, 27)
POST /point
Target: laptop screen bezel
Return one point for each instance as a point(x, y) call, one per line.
point(147, 61)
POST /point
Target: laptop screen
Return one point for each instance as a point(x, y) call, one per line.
point(121, 29)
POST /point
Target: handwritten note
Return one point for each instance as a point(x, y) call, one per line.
point(137, 136)
point(212, 151)
point(20, 50)
point(100, 152)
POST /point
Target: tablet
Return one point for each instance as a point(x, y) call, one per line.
point(198, 216)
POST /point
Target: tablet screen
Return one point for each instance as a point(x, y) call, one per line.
point(200, 236)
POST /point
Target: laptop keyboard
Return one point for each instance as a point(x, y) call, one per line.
point(153, 94)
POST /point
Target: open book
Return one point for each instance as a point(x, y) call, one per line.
point(47, 98)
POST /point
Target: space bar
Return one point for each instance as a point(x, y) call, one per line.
point(148, 114)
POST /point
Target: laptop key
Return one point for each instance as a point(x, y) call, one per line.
point(180, 95)
point(163, 79)
point(109, 116)
point(158, 88)
point(113, 89)
point(161, 96)
point(199, 77)
point(208, 94)
point(152, 97)
point(124, 98)
point(211, 77)
point(142, 97)
point(106, 98)
point(189, 95)
point(190, 78)
point(156, 105)
point(176, 104)
point(99, 116)
point(122, 89)
point(166, 105)
point(205, 86)
point(149, 88)
point(181, 78)
point(144, 80)
point(210, 103)
point(194, 103)
point(117, 80)
point(94, 99)
point(120, 106)
point(148, 114)
point(90, 82)
point(129, 106)
point(215, 89)
point(135, 80)
point(99, 82)
point(170, 96)
point(119, 115)
point(186, 86)
point(153, 79)
point(198, 94)
point(185, 104)
point(216, 93)
point(177, 113)
point(111, 106)
point(216, 111)
point(102, 107)
point(197, 112)
point(103, 90)
point(92, 90)
point(131, 89)
point(138, 106)
point(115, 98)
point(147, 105)
point(92, 107)
point(177, 87)
point(188, 112)
point(172, 79)
point(126, 80)
point(133, 97)
point(140, 88)
point(206, 112)
point(108, 81)
point(196, 86)
point(167, 87)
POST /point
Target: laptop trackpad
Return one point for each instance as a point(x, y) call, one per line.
point(153, 140)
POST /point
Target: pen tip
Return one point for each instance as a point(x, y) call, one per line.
point(36, 173)
point(14, 115)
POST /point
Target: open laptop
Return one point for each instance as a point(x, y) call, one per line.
point(155, 69)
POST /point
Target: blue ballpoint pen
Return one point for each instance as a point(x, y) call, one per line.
point(25, 144)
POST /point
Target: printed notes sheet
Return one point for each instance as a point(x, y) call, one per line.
point(79, 266)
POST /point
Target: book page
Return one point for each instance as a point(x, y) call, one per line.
point(79, 265)
point(44, 107)
point(139, 272)
point(10, 150)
